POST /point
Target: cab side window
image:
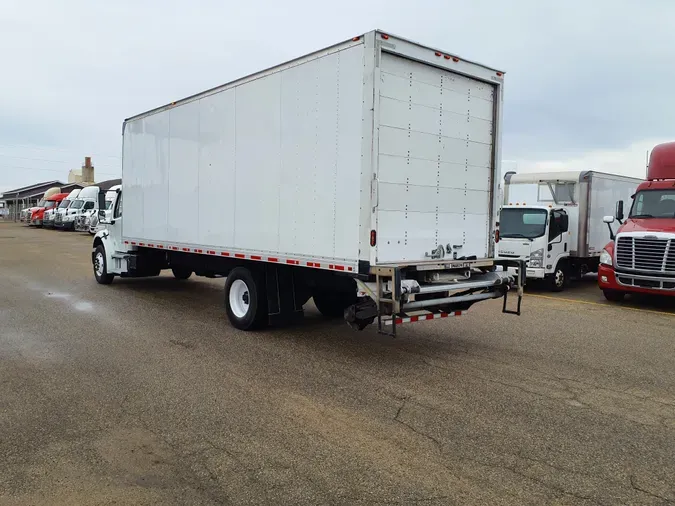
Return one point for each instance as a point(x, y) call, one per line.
point(559, 224)
point(118, 206)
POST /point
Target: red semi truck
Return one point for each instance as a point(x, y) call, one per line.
point(641, 255)
point(38, 213)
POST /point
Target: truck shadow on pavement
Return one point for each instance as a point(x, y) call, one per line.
point(203, 301)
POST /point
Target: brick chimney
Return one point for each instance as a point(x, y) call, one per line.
point(87, 170)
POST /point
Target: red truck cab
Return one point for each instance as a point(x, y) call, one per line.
point(38, 214)
point(641, 256)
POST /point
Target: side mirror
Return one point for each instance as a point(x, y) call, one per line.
point(564, 223)
point(609, 220)
point(619, 210)
point(101, 201)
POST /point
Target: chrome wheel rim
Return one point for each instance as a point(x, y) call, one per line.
point(98, 263)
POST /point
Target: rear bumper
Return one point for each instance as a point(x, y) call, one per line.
point(476, 280)
point(609, 279)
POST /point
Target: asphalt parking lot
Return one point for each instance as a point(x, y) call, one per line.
point(142, 393)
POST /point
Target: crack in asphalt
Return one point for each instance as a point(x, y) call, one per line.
point(549, 486)
point(412, 428)
point(410, 500)
point(635, 487)
point(570, 392)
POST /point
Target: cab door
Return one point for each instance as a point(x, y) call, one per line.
point(558, 239)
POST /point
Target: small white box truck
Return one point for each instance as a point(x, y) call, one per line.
point(363, 176)
point(553, 221)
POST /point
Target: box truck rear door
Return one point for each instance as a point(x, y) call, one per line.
point(435, 161)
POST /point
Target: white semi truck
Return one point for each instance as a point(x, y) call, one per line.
point(65, 216)
point(363, 175)
point(553, 221)
point(89, 207)
point(93, 223)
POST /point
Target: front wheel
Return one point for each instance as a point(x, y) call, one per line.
point(559, 279)
point(181, 272)
point(245, 299)
point(614, 295)
point(101, 266)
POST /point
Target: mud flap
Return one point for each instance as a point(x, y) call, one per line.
point(285, 295)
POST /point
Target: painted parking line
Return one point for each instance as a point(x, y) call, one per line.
point(579, 301)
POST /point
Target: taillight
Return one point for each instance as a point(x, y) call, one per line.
point(373, 237)
point(497, 235)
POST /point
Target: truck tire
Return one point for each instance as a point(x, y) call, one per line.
point(614, 295)
point(181, 272)
point(245, 299)
point(559, 278)
point(333, 304)
point(101, 266)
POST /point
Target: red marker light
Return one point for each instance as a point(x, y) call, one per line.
point(373, 237)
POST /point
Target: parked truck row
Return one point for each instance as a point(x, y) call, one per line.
point(557, 223)
point(77, 210)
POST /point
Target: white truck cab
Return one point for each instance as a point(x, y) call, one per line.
point(95, 223)
point(554, 221)
point(540, 236)
point(62, 218)
point(89, 207)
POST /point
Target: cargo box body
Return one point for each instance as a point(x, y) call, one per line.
point(374, 151)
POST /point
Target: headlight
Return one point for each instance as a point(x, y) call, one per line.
point(537, 258)
point(605, 258)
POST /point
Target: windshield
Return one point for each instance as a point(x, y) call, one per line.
point(41, 203)
point(654, 204)
point(524, 223)
point(76, 204)
point(64, 204)
point(50, 203)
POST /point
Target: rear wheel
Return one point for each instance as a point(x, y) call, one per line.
point(101, 266)
point(614, 295)
point(333, 304)
point(245, 299)
point(181, 272)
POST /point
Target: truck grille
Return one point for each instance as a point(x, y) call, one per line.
point(643, 254)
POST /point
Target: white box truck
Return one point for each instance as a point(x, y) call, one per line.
point(362, 175)
point(553, 221)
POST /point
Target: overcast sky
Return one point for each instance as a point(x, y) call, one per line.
point(589, 84)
